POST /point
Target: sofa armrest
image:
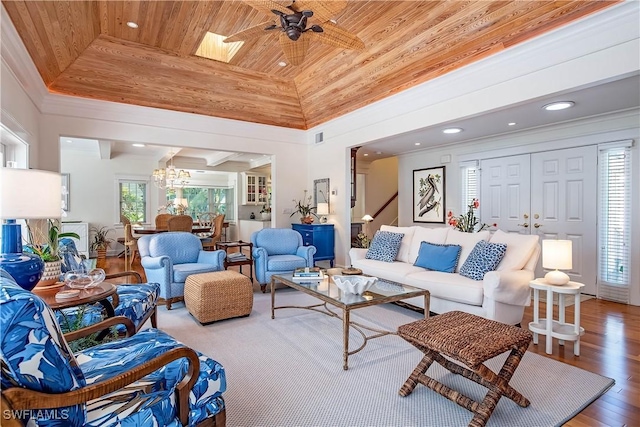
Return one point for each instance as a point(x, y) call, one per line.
point(356, 254)
point(155, 262)
point(509, 287)
point(212, 257)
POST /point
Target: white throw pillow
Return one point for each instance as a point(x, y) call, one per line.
point(519, 249)
point(405, 245)
point(424, 234)
point(467, 241)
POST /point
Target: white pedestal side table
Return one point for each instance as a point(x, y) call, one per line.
point(556, 328)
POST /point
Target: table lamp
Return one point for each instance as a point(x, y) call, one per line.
point(323, 210)
point(25, 194)
point(557, 255)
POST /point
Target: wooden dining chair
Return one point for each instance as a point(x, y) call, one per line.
point(180, 223)
point(216, 234)
point(130, 247)
point(124, 221)
point(162, 220)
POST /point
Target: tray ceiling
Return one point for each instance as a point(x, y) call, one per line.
point(85, 49)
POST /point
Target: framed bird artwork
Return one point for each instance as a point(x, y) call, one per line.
point(429, 195)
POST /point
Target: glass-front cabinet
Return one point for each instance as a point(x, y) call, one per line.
point(256, 191)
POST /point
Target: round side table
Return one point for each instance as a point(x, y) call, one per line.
point(556, 328)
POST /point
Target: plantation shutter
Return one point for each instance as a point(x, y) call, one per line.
point(469, 183)
point(614, 230)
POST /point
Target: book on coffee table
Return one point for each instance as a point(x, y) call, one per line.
point(307, 272)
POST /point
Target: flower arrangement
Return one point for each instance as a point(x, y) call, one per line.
point(265, 209)
point(467, 223)
point(304, 208)
point(45, 243)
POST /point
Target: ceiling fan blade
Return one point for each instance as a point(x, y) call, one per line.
point(335, 35)
point(251, 32)
point(266, 6)
point(322, 10)
point(294, 51)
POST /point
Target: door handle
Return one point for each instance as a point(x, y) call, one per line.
point(525, 225)
point(536, 225)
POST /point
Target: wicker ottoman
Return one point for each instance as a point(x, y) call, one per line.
point(471, 340)
point(218, 295)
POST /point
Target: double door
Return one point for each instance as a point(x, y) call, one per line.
point(552, 194)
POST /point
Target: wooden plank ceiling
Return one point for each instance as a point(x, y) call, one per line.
point(85, 49)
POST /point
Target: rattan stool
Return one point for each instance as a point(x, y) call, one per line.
point(218, 295)
point(472, 340)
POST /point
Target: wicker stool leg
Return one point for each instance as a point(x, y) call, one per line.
point(413, 380)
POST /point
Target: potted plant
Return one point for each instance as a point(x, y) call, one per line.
point(45, 243)
point(101, 243)
point(304, 208)
point(266, 212)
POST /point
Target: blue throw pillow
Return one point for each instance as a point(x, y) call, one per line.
point(484, 257)
point(385, 246)
point(437, 257)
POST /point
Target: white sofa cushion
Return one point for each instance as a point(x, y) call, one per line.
point(424, 234)
point(467, 241)
point(449, 286)
point(394, 271)
point(405, 245)
point(519, 249)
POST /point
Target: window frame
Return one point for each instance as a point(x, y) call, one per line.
point(119, 179)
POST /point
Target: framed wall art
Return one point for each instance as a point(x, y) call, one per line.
point(429, 195)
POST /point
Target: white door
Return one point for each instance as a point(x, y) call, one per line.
point(563, 205)
point(506, 193)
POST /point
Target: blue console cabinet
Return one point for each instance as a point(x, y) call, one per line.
point(322, 236)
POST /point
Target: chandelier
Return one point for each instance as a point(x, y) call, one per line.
point(169, 177)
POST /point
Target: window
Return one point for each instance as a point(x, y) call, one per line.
point(219, 200)
point(613, 229)
point(469, 183)
point(133, 200)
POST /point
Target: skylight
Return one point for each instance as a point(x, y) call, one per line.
point(212, 47)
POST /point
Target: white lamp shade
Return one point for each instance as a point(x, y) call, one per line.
point(322, 209)
point(367, 218)
point(557, 254)
point(30, 194)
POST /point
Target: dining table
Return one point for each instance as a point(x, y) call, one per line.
point(155, 230)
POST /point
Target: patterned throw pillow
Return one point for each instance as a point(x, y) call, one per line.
point(484, 257)
point(433, 256)
point(385, 246)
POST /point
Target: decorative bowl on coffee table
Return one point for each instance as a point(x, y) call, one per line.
point(84, 280)
point(354, 284)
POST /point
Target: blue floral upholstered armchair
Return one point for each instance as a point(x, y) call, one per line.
point(148, 379)
point(168, 258)
point(137, 301)
point(279, 251)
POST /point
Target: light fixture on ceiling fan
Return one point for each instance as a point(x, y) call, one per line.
point(169, 178)
point(295, 32)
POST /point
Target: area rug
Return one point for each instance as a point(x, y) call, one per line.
point(288, 371)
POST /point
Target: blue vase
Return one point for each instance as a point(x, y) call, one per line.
point(25, 268)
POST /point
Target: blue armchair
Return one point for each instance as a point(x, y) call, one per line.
point(168, 258)
point(147, 379)
point(279, 251)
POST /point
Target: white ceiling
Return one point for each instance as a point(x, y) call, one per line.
point(592, 101)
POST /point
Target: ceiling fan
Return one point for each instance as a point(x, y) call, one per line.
point(293, 23)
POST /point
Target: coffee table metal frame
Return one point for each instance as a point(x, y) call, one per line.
point(327, 291)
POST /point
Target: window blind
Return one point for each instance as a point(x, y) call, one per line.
point(614, 230)
point(470, 184)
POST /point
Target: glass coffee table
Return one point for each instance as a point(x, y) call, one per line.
point(383, 291)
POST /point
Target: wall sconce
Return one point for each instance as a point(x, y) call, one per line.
point(557, 255)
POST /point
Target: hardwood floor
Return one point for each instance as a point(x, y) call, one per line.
point(609, 347)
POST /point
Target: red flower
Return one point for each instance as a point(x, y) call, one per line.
point(476, 203)
point(450, 214)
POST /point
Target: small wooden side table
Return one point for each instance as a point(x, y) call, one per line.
point(556, 328)
point(225, 246)
point(100, 294)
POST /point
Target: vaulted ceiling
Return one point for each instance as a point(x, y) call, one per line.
point(85, 49)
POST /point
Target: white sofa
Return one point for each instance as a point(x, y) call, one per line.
point(501, 295)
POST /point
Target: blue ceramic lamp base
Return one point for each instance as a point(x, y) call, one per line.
point(25, 268)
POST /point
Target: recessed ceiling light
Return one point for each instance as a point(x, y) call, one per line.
point(378, 152)
point(282, 64)
point(555, 106)
point(417, 143)
point(366, 154)
point(512, 124)
point(199, 171)
point(452, 130)
point(69, 141)
point(138, 145)
point(132, 24)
